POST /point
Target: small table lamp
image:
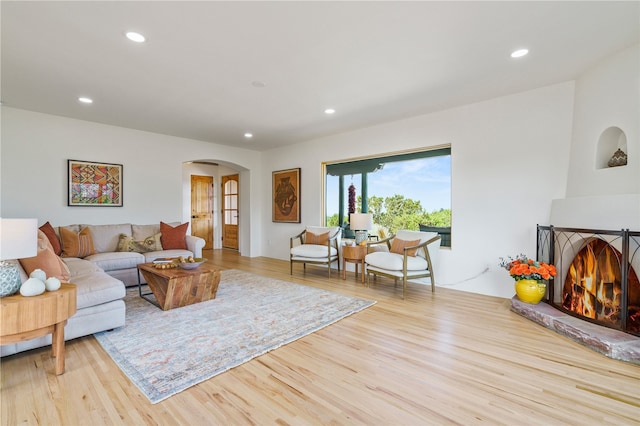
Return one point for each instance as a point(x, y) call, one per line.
point(18, 239)
point(361, 223)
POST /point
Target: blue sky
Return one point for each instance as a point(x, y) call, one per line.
point(426, 179)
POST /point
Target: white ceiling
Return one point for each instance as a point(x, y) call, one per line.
point(371, 61)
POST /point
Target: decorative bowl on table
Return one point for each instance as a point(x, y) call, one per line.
point(187, 264)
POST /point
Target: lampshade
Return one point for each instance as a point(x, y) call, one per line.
point(361, 221)
point(18, 238)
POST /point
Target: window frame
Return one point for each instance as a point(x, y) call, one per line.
point(352, 166)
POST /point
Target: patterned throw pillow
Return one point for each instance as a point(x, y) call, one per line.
point(76, 245)
point(398, 245)
point(127, 243)
point(174, 238)
point(319, 239)
point(46, 260)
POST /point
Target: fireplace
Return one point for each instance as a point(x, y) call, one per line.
point(597, 278)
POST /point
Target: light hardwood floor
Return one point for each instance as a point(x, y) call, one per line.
point(445, 358)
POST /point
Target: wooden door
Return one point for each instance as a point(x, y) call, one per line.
point(230, 194)
point(202, 209)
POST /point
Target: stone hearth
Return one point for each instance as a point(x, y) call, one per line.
point(607, 341)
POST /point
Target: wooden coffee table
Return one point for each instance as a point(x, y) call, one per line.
point(177, 287)
point(25, 318)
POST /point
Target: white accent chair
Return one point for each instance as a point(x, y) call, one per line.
point(309, 246)
point(397, 260)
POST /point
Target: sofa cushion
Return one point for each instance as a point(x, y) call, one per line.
point(312, 251)
point(96, 288)
point(74, 228)
point(112, 261)
point(393, 261)
point(79, 266)
point(76, 244)
point(151, 243)
point(46, 260)
point(106, 237)
point(53, 238)
point(174, 238)
point(140, 232)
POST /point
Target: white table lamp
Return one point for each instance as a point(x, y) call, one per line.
point(361, 223)
point(18, 239)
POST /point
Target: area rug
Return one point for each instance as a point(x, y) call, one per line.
point(166, 352)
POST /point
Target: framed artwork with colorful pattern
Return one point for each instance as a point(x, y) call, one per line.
point(94, 184)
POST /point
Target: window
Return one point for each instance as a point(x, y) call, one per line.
point(401, 191)
point(231, 202)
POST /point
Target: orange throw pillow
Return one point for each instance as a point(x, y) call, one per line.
point(174, 238)
point(398, 245)
point(46, 260)
point(320, 239)
point(76, 245)
point(53, 238)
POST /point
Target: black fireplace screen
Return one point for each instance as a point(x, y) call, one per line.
point(597, 278)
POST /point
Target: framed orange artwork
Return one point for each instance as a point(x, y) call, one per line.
point(286, 196)
point(94, 184)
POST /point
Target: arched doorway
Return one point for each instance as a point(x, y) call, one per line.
point(217, 169)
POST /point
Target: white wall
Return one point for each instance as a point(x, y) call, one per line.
point(608, 95)
point(35, 148)
point(509, 160)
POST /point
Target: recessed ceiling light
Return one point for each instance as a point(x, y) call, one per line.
point(329, 111)
point(248, 135)
point(519, 53)
point(85, 100)
point(137, 37)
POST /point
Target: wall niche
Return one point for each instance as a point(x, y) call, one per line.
point(612, 149)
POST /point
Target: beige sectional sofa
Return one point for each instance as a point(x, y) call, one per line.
point(101, 278)
point(124, 265)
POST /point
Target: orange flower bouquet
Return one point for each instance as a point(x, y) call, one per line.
point(523, 268)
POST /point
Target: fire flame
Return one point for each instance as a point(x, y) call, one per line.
point(593, 287)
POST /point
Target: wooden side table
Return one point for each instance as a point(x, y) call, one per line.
point(353, 254)
point(25, 318)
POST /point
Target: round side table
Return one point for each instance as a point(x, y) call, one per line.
point(25, 318)
point(353, 254)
